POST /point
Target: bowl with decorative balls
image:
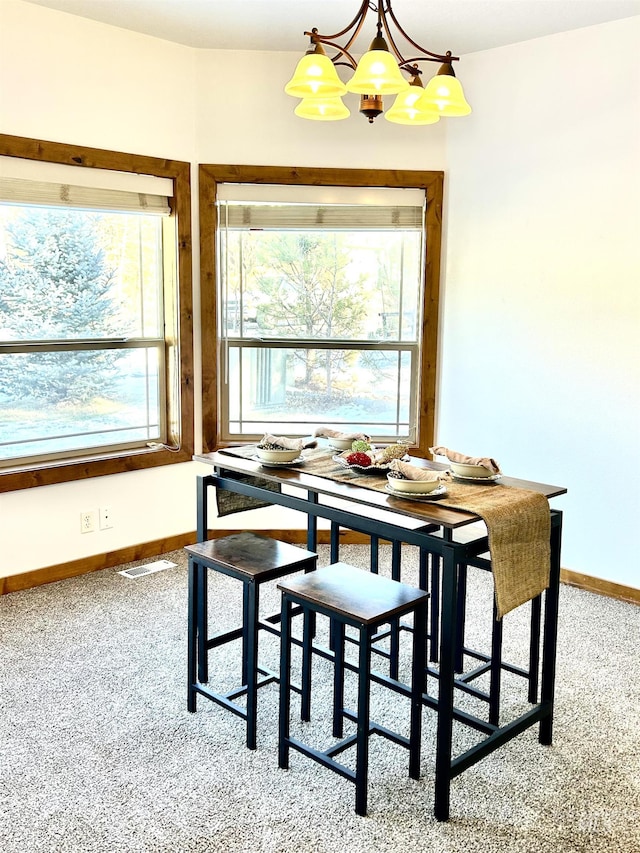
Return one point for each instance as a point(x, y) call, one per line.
point(273, 453)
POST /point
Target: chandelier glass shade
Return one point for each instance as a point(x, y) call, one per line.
point(377, 73)
point(380, 72)
point(315, 77)
point(408, 107)
point(444, 92)
point(322, 109)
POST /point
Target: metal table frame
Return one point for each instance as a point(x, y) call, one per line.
point(434, 537)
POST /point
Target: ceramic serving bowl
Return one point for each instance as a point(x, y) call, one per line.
point(421, 487)
point(277, 455)
point(470, 470)
point(341, 443)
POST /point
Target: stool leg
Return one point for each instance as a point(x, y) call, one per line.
point(192, 635)
point(362, 736)
point(285, 684)
point(417, 677)
point(496, 669)
point(307, 634)
point(202, 580)
point(245, 632)
point(534, 648)
point(251, 627)
point(338, 680)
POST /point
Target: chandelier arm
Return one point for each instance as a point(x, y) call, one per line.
point(435, 57)
point(342, 51)
point(394, 47)
point(359, 20)
point(432, 58)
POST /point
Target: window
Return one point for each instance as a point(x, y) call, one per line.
point(95, 334)
point(323, 299)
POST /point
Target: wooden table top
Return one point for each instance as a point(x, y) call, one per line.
point(415, 513)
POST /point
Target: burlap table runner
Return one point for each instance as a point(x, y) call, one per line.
point(519, 527)
point(518, 524)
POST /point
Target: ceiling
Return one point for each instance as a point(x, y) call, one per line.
point(462, 26)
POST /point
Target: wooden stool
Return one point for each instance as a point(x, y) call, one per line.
point(253, 560)
point(362, 600)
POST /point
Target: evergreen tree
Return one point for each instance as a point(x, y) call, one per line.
point(307, 293)
point(55, 285)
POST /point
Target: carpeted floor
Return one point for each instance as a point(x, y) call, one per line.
point(98, 752)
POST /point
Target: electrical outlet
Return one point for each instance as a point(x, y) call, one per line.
point(87, 521)
point(105, 518)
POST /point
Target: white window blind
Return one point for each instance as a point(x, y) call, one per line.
point(44, 193)
point(300, 217)
point(301, 207)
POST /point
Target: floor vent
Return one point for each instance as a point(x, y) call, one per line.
point(148, 569)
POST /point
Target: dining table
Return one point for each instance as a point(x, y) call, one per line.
point(321, 488)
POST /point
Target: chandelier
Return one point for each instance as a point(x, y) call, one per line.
point(378, 73)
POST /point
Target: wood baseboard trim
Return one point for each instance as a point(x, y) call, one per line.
point(74, 568)
point(50, 574)
point(144, 550)
point(602, 587)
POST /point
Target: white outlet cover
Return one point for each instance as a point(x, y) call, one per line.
point(147, 569)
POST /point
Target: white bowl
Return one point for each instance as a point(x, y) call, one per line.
point(341, 443)
point(277, 455)
point(421, 487)
point(470, 470)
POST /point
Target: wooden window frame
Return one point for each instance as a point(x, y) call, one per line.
point(178, 320)
point(432, 184)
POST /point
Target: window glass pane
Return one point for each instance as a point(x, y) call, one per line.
point(73, 274)
point(55, 402)
point(293, 390)
point(347, 285)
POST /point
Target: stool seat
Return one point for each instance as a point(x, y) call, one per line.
point(252, 559)
point(356, 598)
point(362, 598)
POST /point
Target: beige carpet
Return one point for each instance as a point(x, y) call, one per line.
point(100, 754)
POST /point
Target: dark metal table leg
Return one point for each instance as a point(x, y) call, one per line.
point(394, 638)
point(550, 635)
point(461, 612)
point(375, 555)
point(445, 691)
point(334, 541)
point(312, 524)
point(534, 648)
point(495, 677)
point(434, 605)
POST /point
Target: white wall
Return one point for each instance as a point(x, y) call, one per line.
point(537, 352)
point(245, 117)
point(71, 80)
point(541, 340)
